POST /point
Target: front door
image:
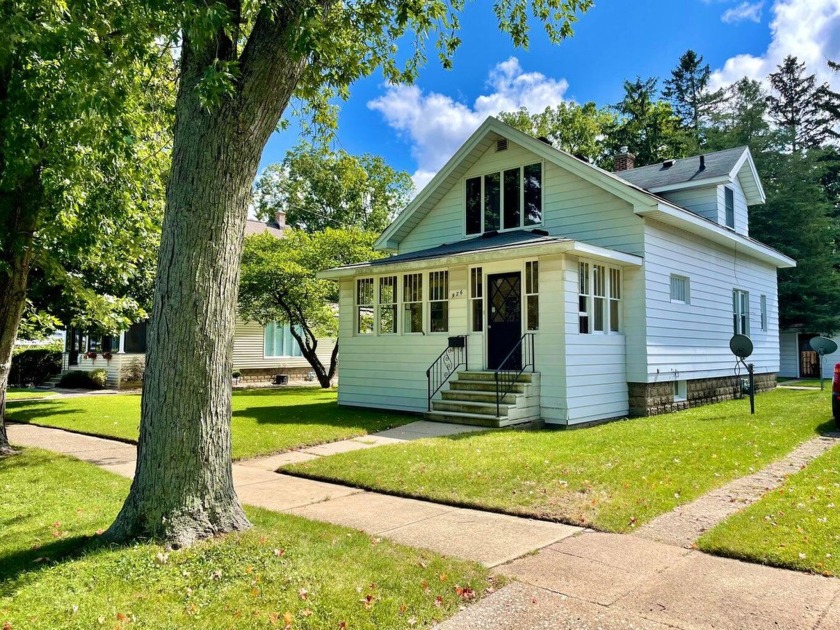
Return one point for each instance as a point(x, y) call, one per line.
point(504, 319)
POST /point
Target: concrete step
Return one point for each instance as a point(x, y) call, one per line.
point(473, 419)
point(463, 406)
point(525, 377)
point(483, 386)
point(485, 397)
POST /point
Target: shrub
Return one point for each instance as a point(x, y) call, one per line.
point(77, 379)
point(34, 366)
point(132, 372)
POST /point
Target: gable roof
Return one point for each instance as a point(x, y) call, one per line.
point(644, 202)
point(252, 226)
point(717, 167)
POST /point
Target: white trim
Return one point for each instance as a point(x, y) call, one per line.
point(698, 183)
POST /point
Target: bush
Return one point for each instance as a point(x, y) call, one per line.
point(34, 366)
point(132, 372)
point(77, 379)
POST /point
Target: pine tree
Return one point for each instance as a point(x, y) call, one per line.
point(689, 94)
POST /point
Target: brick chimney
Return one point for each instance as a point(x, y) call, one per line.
point(280, 219)
point(624, 160)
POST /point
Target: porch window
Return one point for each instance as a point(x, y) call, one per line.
point(532, 298)
point(279, 342)
point(504, 200)
point(477, 299)
point(413, 303)
point(135, 339)
point(583, 298)
point(741, 312)
point(387, 305)
point(764, 313)
point(439, 301)
point(599, 299)
point(364, 306)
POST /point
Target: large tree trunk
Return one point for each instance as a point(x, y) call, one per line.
point(183, 485)
point(18, 217)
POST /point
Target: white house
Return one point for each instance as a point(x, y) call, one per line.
point(259, 352)
point(799, 360)
point(579, 295)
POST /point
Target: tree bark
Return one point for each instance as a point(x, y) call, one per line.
point(18, 217)
point(183, 485)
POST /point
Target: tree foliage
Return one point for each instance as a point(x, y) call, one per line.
point(279, 283)
point(687, 89)
point(317, 188)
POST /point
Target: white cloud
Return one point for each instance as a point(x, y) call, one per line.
point(808, 29)
point(745, 11)
point(436, 124)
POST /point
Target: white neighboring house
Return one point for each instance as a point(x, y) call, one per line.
point(798, 359)
point(259, 352)
point(613, 294)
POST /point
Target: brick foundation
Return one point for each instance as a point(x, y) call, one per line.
point(650, 399)
point(266, 375)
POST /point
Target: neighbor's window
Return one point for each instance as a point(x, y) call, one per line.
point(279, 341)
point(505, 200)
point(764, 313)
point(476, 299)
point(599, 299)
point(729, 197)
point(387, 305)
point(439, 301)
point(583, 298)
point(364, 306)
point(741, 312)
point(532, 298)
point(679, 289)
point(413, 303)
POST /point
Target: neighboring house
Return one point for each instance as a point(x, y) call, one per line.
point(799, 360)
point(259, 352)
point(616, 293)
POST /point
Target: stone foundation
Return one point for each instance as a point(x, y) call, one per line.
point(266, 375)
point(650, 399)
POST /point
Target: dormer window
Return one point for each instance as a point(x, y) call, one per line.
point(504, 200)
point(729, 199)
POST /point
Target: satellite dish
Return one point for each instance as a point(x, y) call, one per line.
point(823, 345)
point(741, 346)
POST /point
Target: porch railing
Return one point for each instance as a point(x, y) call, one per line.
point(439, 372)
point(519, 359)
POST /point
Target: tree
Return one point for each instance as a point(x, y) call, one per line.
point(740, 118)
point(84, 100)
point(688, 91)
point(801, 109)
point(648, 127)
point(240, 65)
point(279, 283)
point(576, 129)
point(318, 188)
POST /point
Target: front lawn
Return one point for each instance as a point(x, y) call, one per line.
point(796, 526)
point(286, 572)
point(16, 393)
point(805, 382)
point(612, 477)
point(264, 420)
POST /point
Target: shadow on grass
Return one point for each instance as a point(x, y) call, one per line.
point(322, 413)
point(35, 559)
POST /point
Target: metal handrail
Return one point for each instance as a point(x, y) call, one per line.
point(506, 377)
point(444, 367)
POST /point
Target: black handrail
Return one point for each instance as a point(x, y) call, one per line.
point(514, 364)
point(453, 357)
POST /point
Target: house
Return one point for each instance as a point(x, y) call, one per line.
point(259, 352)
point(526, 283)
point(799, 360)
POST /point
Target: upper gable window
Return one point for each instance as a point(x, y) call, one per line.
point(729, 199)
point(505, 200)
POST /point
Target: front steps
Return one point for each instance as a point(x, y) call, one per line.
point(471, 399)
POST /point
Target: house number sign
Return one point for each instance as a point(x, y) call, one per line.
point(456, 294)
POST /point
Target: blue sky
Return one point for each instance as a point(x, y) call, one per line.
point(417, 128)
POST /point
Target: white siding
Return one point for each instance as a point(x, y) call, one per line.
point(742, 225)
point(249, 350)
point(703, 201)
point(789, 354)
point(112, 367)
point(687, 341)
point(572, 208)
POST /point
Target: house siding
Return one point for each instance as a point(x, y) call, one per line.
point(689, 341)
point(249, 350)
point(789, 354)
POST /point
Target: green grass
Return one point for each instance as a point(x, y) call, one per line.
point(611, 477)
point(796, 526)
point(55, 574)
point(16, 393)
point(264, 420)
point(804, 382)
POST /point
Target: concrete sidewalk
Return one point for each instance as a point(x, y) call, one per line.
point(567, 577)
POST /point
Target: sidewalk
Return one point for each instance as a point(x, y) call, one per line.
point(577, 579)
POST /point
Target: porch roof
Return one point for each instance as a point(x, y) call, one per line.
point(485, 248)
